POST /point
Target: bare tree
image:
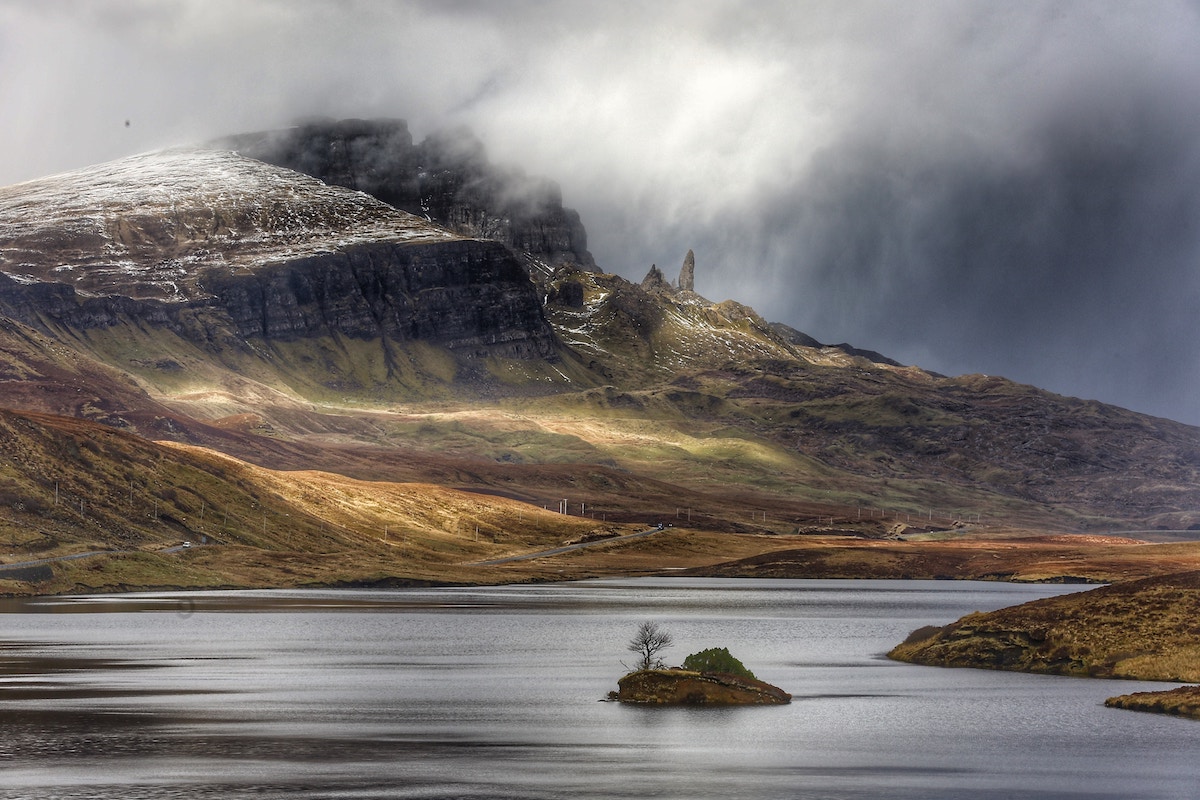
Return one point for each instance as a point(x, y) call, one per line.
point(647, 643)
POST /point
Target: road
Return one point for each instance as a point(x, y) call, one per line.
point(540, 554)
point(567, 548)
point(39, 562)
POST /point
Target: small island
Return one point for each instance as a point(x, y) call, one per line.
point(683, 687)
point(711, 677)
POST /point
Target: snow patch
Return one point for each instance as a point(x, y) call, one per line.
point(160, 216)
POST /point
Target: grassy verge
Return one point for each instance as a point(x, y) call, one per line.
point(1181, 702)
point(1142, 630)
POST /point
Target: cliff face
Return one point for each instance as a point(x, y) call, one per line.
point(446, 178)
point(222, 251)
point(466, 295)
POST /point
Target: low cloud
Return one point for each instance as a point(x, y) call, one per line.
point(972, 186)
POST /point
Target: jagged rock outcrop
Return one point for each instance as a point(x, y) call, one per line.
point(655, 281)
point(446, 178)
point(567, 293)
point(687, 274)
point(690, 688)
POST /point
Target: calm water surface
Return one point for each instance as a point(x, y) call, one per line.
point(494, 693)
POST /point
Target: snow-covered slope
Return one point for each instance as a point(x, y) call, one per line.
point(152, 224)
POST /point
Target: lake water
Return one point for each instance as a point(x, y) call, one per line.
point(494, 693)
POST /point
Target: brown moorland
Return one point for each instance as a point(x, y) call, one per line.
point(1144, 629)
point(1181, 702)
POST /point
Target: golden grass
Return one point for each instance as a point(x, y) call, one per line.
point(1181, 702)
point(1144, 630)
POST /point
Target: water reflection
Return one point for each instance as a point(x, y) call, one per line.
point(440, 693)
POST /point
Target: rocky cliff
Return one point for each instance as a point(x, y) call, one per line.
point(225, 251)
point(446, 178)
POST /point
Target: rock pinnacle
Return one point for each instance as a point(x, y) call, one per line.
point(687, 275)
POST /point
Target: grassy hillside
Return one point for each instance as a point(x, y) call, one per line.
point(298, 383)
point(1145, 630)
point(69, 486)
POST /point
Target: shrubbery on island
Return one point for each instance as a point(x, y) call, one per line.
point(719, 660)
point(709, 677)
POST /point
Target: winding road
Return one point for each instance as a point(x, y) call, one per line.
point(567, 548)
point(41, 561)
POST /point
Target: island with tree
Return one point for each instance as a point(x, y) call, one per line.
point(709, 677)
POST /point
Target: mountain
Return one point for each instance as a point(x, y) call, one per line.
point(186, 262)
point(312, 323)
point(446, 178)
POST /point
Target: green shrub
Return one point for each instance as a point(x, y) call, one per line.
point(717, 659)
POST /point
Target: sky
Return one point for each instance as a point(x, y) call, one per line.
point(1008, 187)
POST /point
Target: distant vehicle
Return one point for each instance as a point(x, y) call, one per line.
point(187, 544)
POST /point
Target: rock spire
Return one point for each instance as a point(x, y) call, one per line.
point(687, 275)
point(655, 280)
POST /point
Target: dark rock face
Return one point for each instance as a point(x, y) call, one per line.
point(40, 305)
point(685, 687)
point(469, 296)
point(465, 295)
point(446, 178)
point(569, 294)
point(687, 273)
point(655, 281)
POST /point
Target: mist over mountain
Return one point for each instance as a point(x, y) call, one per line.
point(200, 292)
point(194, 332)
point(967, 186)
point(447, 178)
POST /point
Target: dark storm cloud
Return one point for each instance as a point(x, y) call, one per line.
point(1004, 187)
point(1047, 228)
point(1076, 272)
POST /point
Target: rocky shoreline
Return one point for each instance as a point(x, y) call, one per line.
point(1137, 630)
point(1181, 702)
